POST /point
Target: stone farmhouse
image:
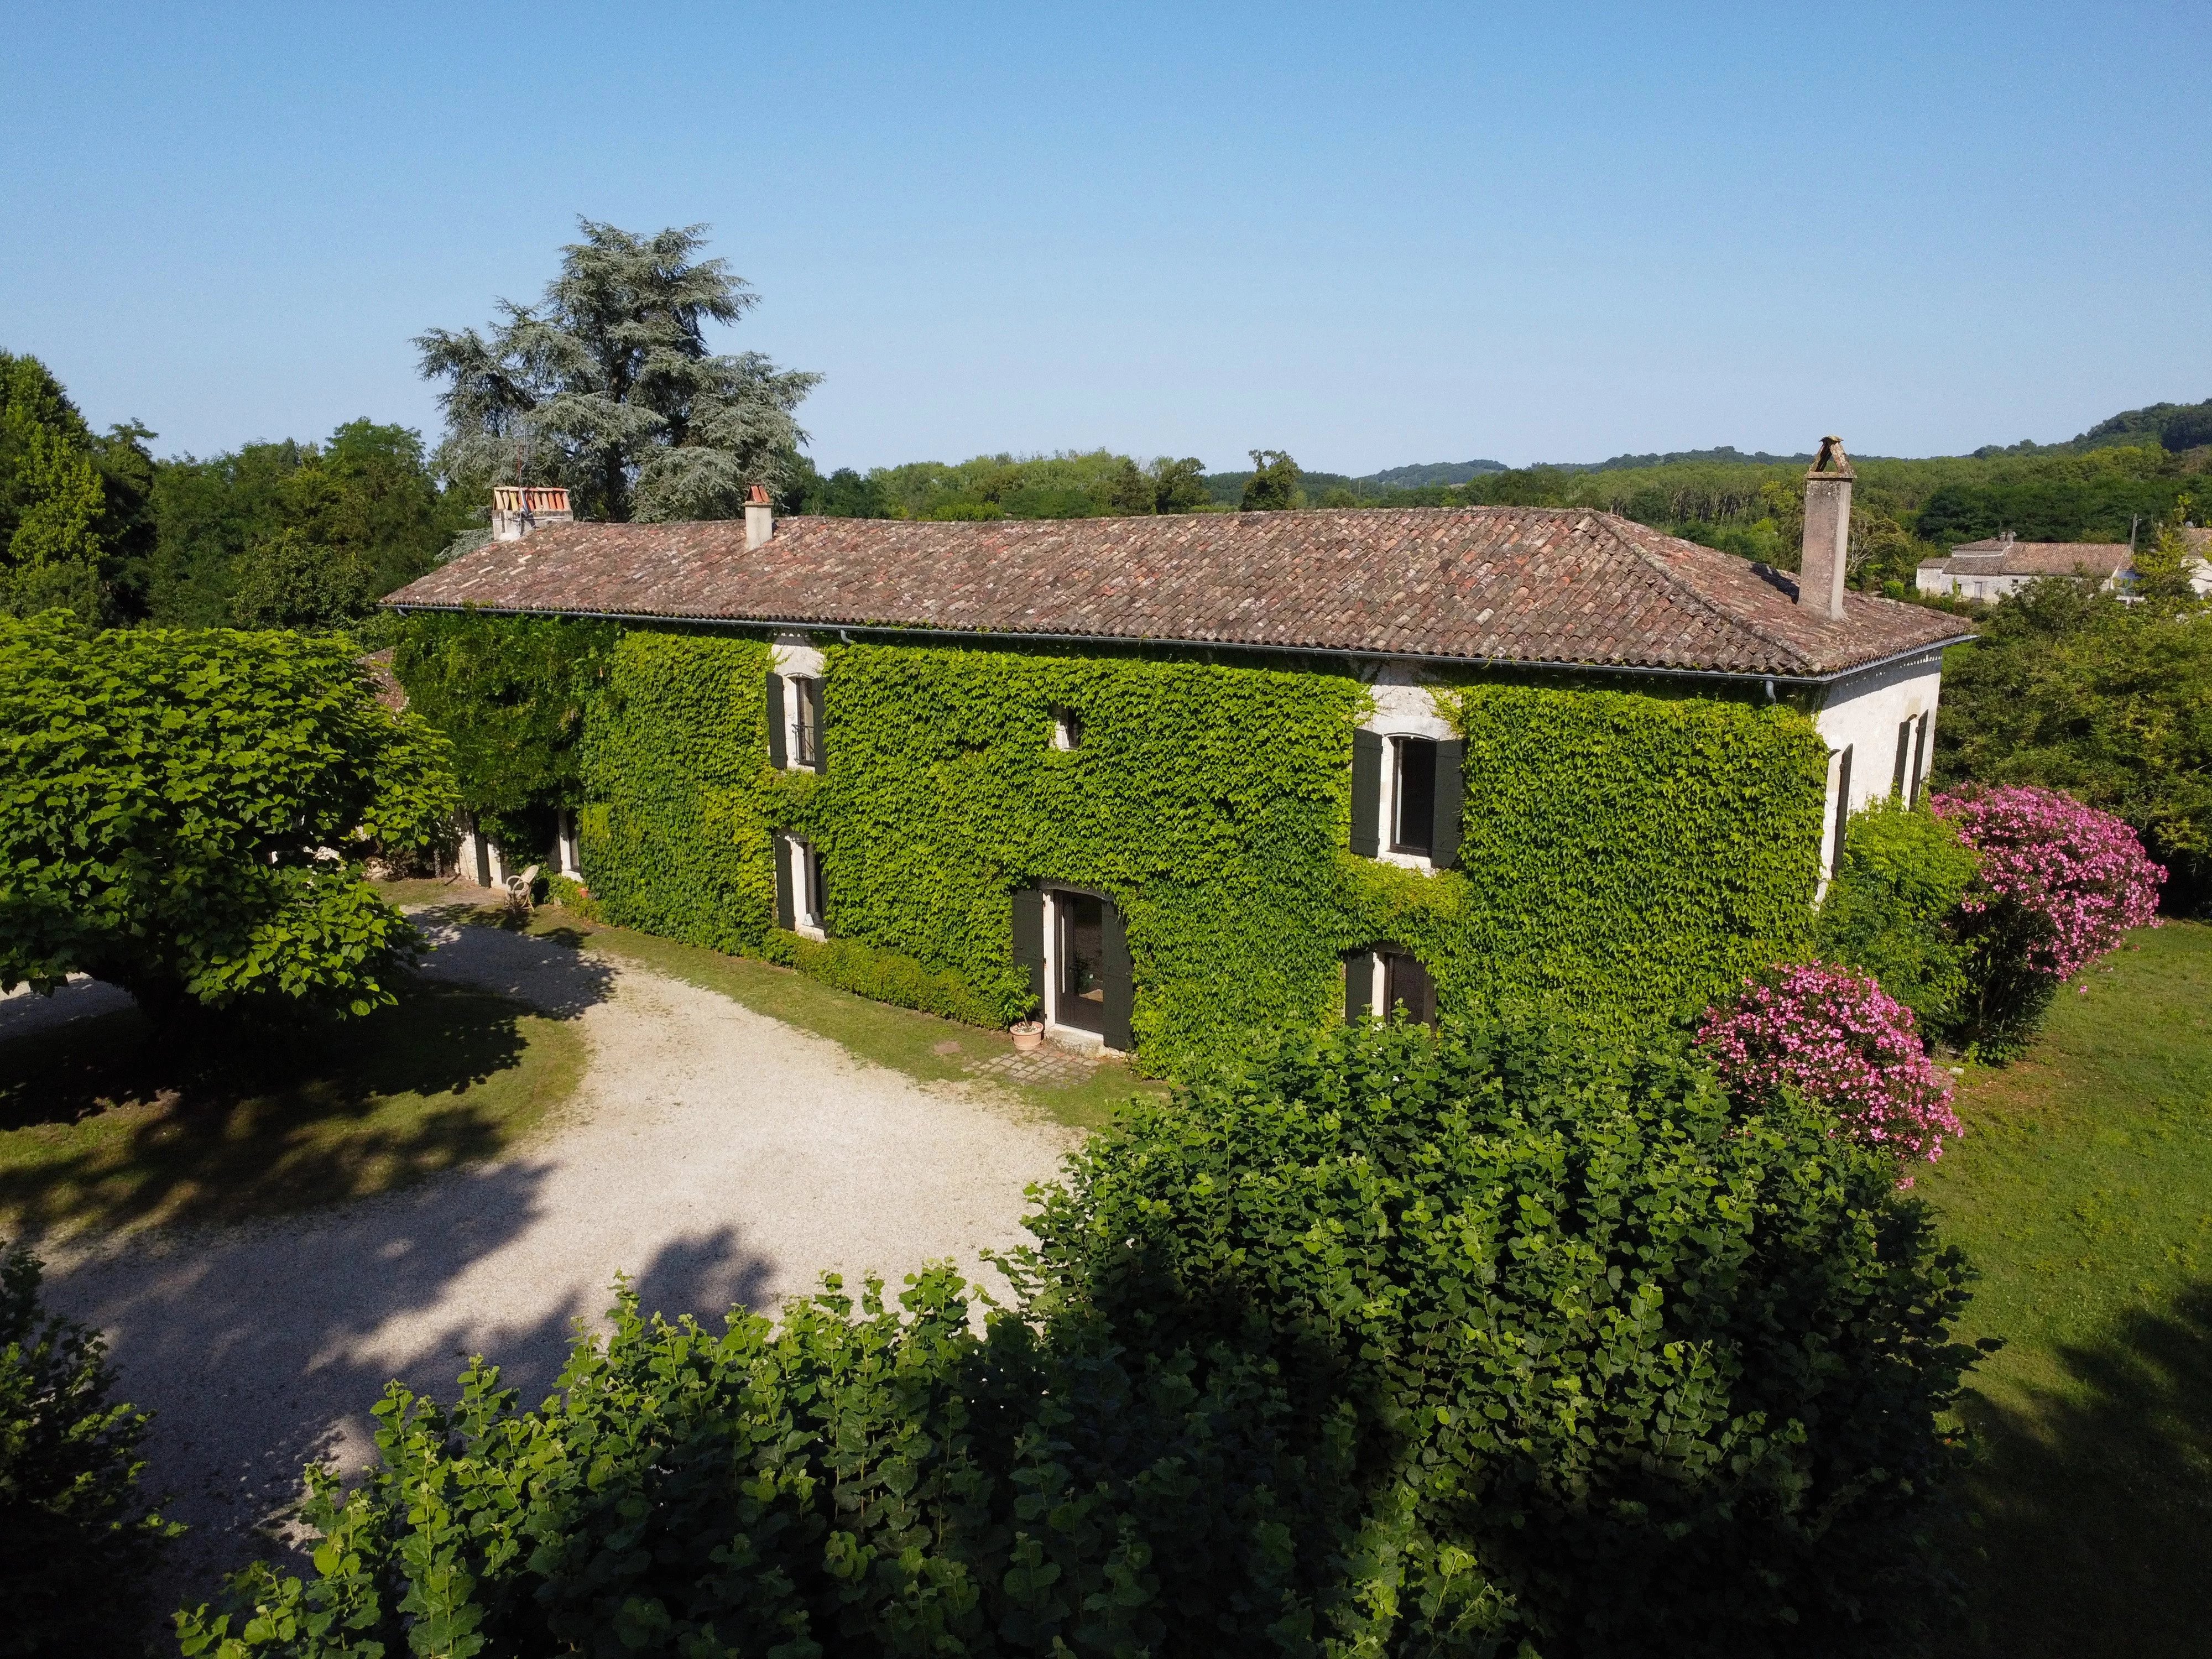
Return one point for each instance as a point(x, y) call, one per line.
point(1158, 781)
point(2002, 565)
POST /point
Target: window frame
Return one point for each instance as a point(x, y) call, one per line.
point(1395, 806)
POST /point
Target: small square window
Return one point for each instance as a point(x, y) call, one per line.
point(1066, 729)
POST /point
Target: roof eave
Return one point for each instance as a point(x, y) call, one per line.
point(894, 630)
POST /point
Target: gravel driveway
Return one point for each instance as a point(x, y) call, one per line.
point(715, 1155)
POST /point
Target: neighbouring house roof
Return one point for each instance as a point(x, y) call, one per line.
point(1495, 585)
point(2001, 557)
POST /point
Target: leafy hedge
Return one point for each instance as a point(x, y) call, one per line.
point(1893, 910)
point(1626, 855)
point(78, 1537)
point(1393, 1344)
point(510, 694)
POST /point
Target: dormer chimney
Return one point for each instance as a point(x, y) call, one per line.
point(516, 510)
point(1827, 531)
point(760, 520)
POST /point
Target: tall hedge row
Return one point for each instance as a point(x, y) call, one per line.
point(1487, 1343)
point(1625, 853)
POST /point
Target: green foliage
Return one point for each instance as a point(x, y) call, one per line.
point(844, 493)
point(2111, 702)
point(287, 534)
point(1893, 909)
point(606, 386)
point(1096, 483)
point(1625, 856)
point(509, 693)
point(1274, 487)
point(883, 976)
point(76, 1538)
point(2091, 497)
point(832, 1486)
point(1388, 1344)
point(72, 531)
point(179, 808)
point(676, 838)
point(1625, 1370)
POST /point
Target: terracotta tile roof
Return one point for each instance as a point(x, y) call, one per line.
point(1492, 584)
point(1999, 558)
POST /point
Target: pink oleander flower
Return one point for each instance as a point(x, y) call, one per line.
point(1838, 1038)
point(2081, 872)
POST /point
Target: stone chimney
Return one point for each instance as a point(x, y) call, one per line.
point(760, 520)
point(1827, 530)
point(516, 511)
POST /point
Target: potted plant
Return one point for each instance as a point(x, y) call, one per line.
point(1028, 1034)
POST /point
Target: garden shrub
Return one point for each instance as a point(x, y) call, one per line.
point(2058, 884)
point(883, 976)
point(1627, 1370)
point(1839, 1041)
point(76, 1537)
point(832, 1484)
point(1894, 909)
point(1389, 1343)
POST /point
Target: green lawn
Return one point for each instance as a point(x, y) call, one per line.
point(2083, 1193)
point(98, 1128)
point(922, 1046)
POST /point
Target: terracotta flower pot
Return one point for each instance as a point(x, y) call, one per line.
point(1028, 1035)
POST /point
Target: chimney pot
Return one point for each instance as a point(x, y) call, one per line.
point(1827, 531)
point(760, 518)
point(517, 509)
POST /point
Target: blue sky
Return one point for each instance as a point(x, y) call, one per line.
point(1370, 235)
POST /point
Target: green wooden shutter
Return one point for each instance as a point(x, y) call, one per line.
point(776, 755)
point(1920, 759)
point(1904, 759)
point(1451, 798)
point(1358, 986)
point(1028, 940)
point(821, 732)
point(785, 916)
point(1366, 794)
point(1116, 977)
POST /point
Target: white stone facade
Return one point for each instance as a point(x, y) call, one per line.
point(1405, 707)
point(1867, 720)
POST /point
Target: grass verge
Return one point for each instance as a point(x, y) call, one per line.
point(97, 1131)
point(922, 1046)
point(2083, 1192)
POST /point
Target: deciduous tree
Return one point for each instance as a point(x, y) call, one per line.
point(182, 814)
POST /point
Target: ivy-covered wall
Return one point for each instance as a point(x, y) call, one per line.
point(1624, 852)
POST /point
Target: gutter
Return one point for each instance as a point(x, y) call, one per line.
point(972, 636)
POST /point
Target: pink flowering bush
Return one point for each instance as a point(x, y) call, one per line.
point(1837, 1039)
point(2058, 884)
point(2082, 872)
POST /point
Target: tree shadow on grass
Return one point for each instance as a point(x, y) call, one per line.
point(258, 1119)
point(2096, 1498)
